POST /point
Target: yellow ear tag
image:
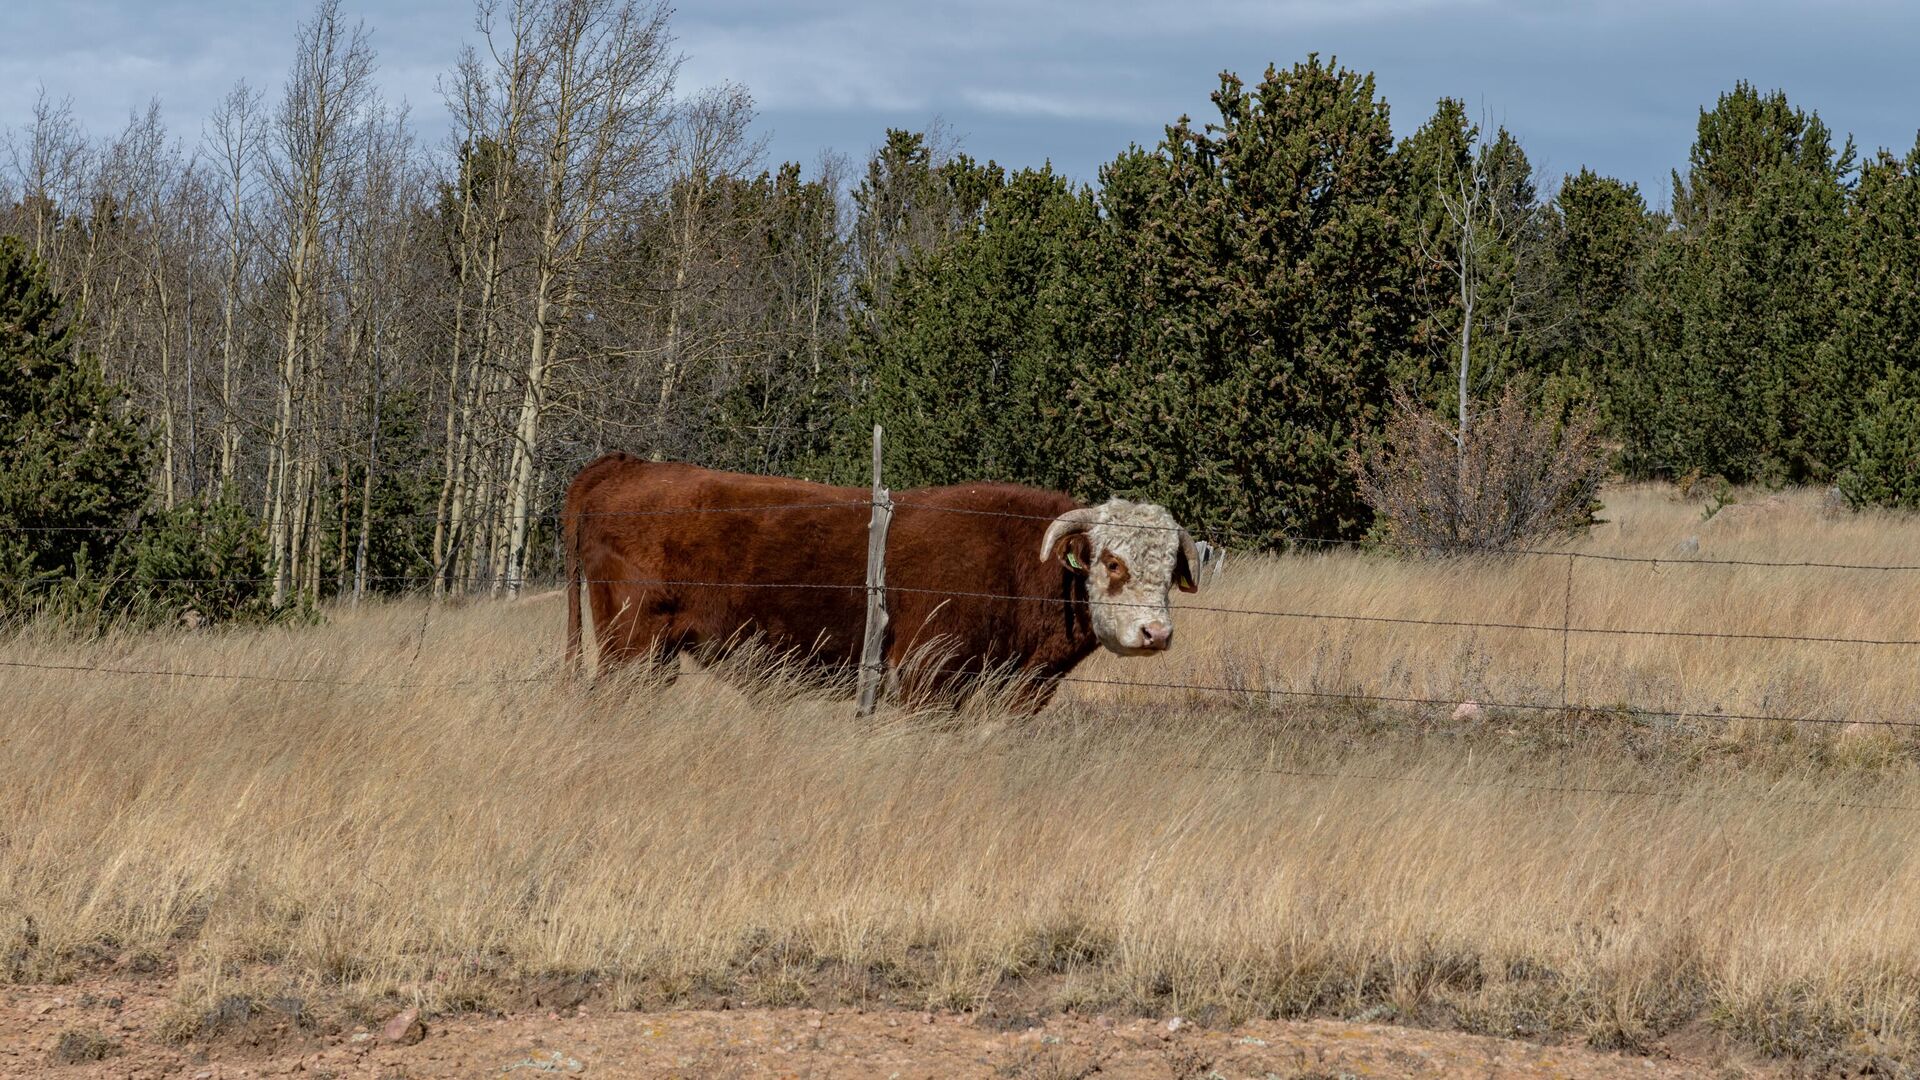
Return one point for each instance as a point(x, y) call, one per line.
point(1073, 561)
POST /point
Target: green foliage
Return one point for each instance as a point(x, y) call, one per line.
point(1739, 300)
point(1742, 142)
point(1599, 234)
point(1883, 465)
point(73, 463)
point(1270, 295)
point(200, 562)
point(1879, 332)
point(910, 204)
point(974, 362)
point(406, 487)
point(789, 398)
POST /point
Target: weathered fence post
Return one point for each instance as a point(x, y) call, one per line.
point(873, 666)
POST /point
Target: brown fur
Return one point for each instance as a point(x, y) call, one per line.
point(618, 542)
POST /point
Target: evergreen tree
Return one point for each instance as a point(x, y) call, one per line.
point(977, 351)
point(1740, 298)
point(73, 462)
point(911, 204)
point(1879, 332)
point(1271, 295)
point(1429, 161)
point(789, 399)
point(1599, 235)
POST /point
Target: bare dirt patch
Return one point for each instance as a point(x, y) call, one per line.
point(127, 1019)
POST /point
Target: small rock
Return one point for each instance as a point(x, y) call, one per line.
point(406, 1028)
point(1176, 1024)
point(1467, 710)
point(360, 1037)
point(926, 1018)
point(1376, 1014)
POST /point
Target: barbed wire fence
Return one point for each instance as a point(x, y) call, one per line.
point(1565, 628)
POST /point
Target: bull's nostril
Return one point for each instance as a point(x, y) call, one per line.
point(1155, 635)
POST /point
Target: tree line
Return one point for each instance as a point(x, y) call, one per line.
point(365, 363)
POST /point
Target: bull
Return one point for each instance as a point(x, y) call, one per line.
point(986, 577)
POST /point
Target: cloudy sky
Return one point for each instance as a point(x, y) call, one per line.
point(1612, 85)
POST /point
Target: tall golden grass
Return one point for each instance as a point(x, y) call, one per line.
point(1157, 851)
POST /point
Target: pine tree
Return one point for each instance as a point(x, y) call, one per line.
point(73, 461)
point(978, 349)
point(1879, 333)
point(1600, 235)
point(1270, 292)
point(1741, 297)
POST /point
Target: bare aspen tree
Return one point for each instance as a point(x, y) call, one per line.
point(393, 358)
point(604, 76)
point(376, 291)
point(232, 143)
point(145, 180)
point(1488, 206)
point(708, 148)
point(330, 85)
point(49, 163)
point(491, 98)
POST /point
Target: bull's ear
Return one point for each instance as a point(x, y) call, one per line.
point(1076, 552)
point(1066, 539)
point(1184, 563)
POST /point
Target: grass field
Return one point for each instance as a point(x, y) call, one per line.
point(1164, 851)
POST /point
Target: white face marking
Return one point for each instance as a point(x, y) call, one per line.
point(1135, 548)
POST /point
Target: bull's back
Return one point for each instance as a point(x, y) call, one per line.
point(714, 554)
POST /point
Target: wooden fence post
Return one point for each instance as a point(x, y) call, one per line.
point(873, 664)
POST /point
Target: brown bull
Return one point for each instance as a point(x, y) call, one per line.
point(979, 576)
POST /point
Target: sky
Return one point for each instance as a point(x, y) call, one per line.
point(1614, 86)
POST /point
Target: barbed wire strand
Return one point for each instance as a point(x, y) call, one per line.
point(174, 673)
point(1634, 711)
point(1285, 538)
point(1324, 616)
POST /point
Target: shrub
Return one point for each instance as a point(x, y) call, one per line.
point(1519, 477)
point(200, 562)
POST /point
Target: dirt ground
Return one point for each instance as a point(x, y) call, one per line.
point(112, 1027)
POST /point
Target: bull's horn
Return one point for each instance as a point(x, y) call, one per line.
point(1065, 525)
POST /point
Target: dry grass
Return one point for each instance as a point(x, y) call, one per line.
point(664, 844)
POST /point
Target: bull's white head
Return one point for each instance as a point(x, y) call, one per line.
point(1132, 555)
